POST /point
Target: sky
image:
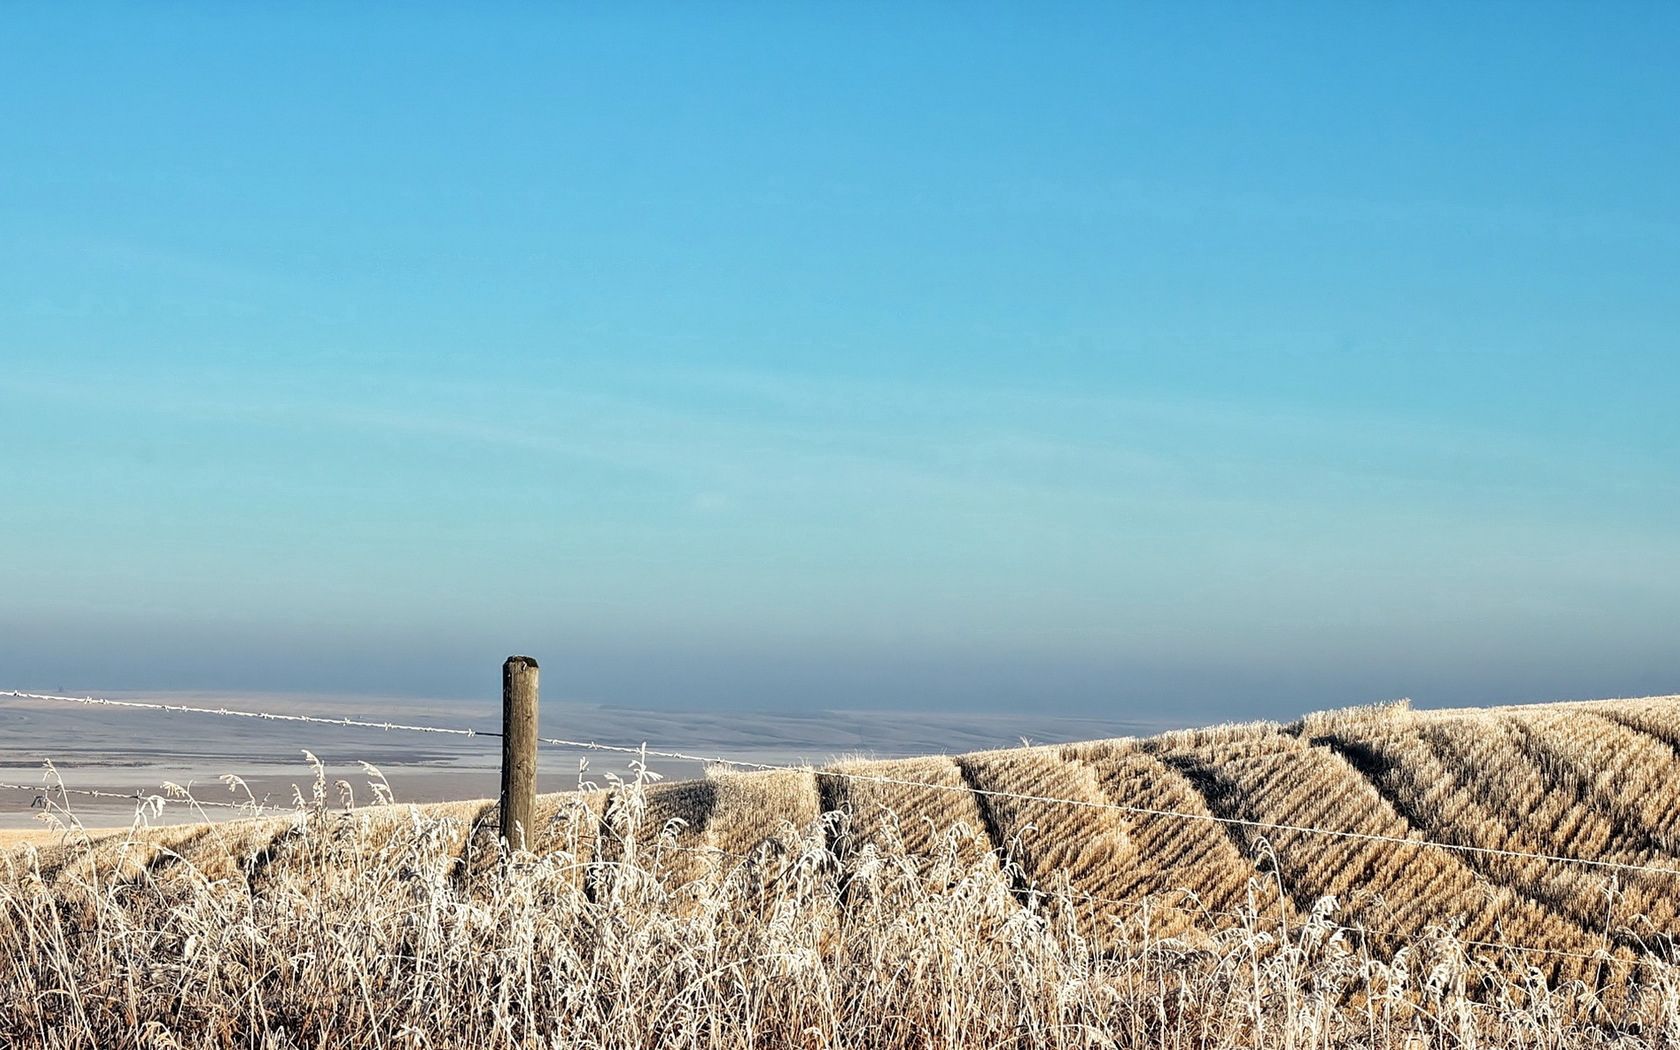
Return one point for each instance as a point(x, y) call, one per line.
point(1185, 361)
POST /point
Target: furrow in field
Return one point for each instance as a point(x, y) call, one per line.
point(1056, 846)
point(1433, 796)
point(1512, 801)
point(1658, 718)
point(1188, 868)
point(1467, 780)
point(939, 820)
point(1388, 888)
point(1629, 776)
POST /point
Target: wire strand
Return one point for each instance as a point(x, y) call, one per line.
point(229, 712)
point(49, 790)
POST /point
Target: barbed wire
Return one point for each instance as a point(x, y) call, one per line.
point(229, 712)
point(138, 795)
point(645, 752)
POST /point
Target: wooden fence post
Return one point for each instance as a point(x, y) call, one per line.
point(519, 751)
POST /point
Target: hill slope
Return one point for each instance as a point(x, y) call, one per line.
point(1495, 874)
point(1594, 781)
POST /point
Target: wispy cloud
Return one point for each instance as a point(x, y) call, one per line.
point(792, 435)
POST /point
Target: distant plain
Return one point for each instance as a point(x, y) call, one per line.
point(124, 750)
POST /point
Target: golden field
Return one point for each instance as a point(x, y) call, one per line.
point(1376, 877)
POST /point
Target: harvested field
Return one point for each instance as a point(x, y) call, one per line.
point(1369, 877)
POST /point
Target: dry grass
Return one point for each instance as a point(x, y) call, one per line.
point(10, 837)
point(820, 909)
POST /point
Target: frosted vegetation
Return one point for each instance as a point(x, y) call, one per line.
point(853, 906)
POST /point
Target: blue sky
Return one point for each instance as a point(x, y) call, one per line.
point(1193, 361)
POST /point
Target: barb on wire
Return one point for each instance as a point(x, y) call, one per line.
point(229, 712)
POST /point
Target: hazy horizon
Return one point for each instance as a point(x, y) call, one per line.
point(1093, 361)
